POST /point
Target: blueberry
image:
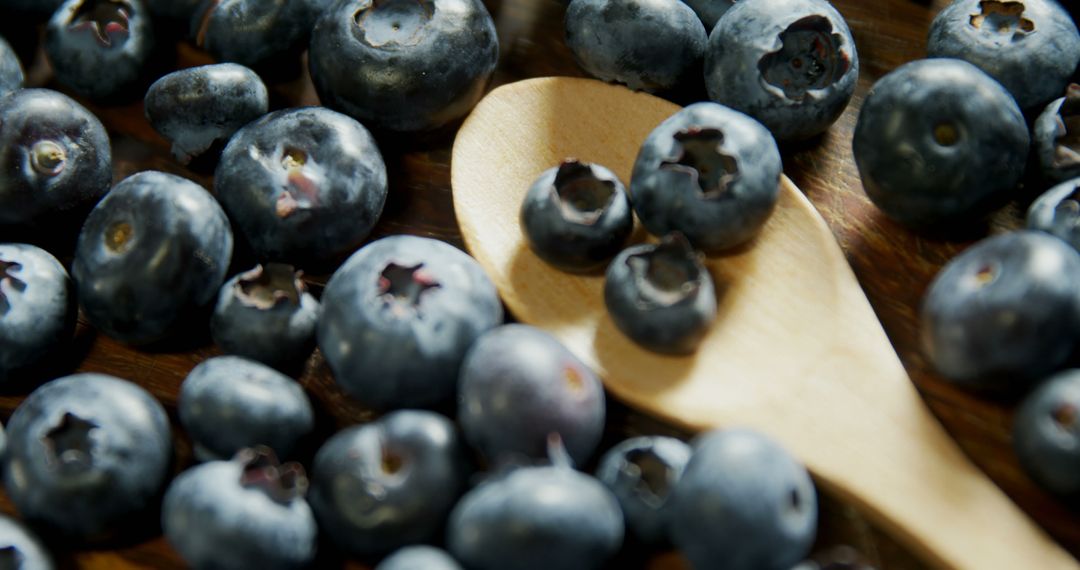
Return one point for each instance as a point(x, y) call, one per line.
point(37, 308)
point(1057, 211)
point(1046, 434)
point(743, 503)
point(398, 317)
point(11, 71)
point(20, 549)
point(939, 141)
point(661, 296)
point(100, 48)
point(390, 483)
point(642, 472)
point(228, 403)
point(650, 45)
point(577, 216)
point(55, 158)
point(709, 172)
point(1056, 136)
point(791, 64)
point(709, 11)
point(304, 186)
point(196, 107)
point(246, 513)
point(254, 33)
point(266, 314)
point(155, 248)
point(419, 557)
point(1003, 313)
point(403, 65)
point(87, 455)
point(535, 518)
point(1031, 46)
point(519, 386)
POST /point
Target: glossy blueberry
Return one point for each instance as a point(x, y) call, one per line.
point(153, 250)
point(196, 107)
point(661, 295)
point(87, 454)
point(1056, 136)
point(1046, 434)
point(519, 386)
point(266, 314)
point(708, 172)
point(791, 64)
point(100, 48)
point(642, 472)
point(535, 518)
point(1031, 46)
point(403, 65)
point(420, 557)
point(245, 513)
point(390, 483)
point(55, 158)
point(939, 141)
point(228, 403)
point(37, 308)
point(254, 33)
point(20, 549)
point(743, 503)
point(650, 45)
point(1003, 313)
point(1057, 211)
point(11, 72)
point(398, 317)
point(304, 186)
point(709, 11)
point(576, 216)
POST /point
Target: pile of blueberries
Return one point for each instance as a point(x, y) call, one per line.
point(408, 325)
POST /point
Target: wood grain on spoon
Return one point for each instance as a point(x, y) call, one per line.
point(796, 350)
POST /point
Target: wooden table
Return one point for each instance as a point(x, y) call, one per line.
point(893, 264)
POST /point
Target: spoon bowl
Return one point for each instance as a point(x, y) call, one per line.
point(796, 350)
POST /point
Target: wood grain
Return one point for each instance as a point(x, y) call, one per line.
point(892, 264)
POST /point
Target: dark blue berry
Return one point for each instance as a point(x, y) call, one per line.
point(37, 308)
point(1056, 137)
point(642, 473)
point(228, 403)
point(536, 518)
point(661, 295)
point(153, 250)
point(303, 186)
point(20, 549)
point(1046, 434)
point(197, 107)
point(791, 64)
point(254, 33)
point(403, 65)
point(1057, 211)
point(87, 454)
point(11, 71)
point(100, 48)
point(419, 557)
point(520, 386)
point(398, 317)
point(1031, 46)
point(650, 45)
point(577, 216)
point(1005, 312)
point(939, 141)
point(245, 513)
point(55, 159)
point(266, 314)
point(743, 503)
point(708, 172)
point(390, 483)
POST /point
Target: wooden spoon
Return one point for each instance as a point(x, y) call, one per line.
point(796, 350)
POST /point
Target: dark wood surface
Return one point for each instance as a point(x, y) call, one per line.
point(893, 264)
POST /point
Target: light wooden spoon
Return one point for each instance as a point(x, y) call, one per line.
point(796, 351)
